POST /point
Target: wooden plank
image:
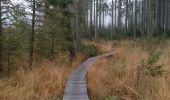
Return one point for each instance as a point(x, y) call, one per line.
point(76, 88)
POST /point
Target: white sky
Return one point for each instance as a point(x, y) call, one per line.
point(17, 1)
point(107, 18)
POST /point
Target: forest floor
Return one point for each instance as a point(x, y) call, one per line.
point(123, 76)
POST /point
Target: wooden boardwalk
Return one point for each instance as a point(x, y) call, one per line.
point(76, 88)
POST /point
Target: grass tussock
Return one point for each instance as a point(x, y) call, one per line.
point(46, 81)
point(122, 78)
point(104, 46)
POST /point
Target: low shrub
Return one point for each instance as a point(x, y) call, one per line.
point(90, 50)
point(151, 65)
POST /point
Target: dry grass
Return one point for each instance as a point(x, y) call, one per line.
point(104, 46)
point(117, 78)
point(108, 79)
point(46, 81)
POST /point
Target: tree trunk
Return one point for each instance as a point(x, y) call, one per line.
point(91, 18)
point(94, 14)
point(87, 14)
point(158, 16)
point(77, 30)
point(115, 13)
point(126, 19)
point(149, 17)
point(166, 18)
point(1, 36)
point(32, 37)
point(119, 14)
point(131, 16)
point(96, 24)
point(142, 21)
point(100, 16)
point(135, 20)
point(103, 18)
point(112, 20)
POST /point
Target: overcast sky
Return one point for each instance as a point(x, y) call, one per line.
point(17, 1)
point(107, 18)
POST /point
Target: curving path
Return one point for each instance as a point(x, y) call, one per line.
point(76, 88)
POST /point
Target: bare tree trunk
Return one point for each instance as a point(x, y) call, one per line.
point(158, 16)
point(166, 17)
point(131, 16)
point(103, 18)
point(94, 14)
point(163, 16)
point(100, 16)
point(126, 19)
point(97, 20)
point(32, 37)
point(115, 14)
point(145, 16)
point(77, 30)
point(135, 21)
point(149, 16)
point(1, 36)
point(142, 18)
point(119, 14)
point(112, 20)
point(91, 18)
point(87, 14)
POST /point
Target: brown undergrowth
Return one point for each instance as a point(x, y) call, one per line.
point(118, 78)
point(46, 81)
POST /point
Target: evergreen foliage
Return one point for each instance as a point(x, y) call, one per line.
point(151, 65)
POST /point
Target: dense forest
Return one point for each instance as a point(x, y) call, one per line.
point(46, 27)
point(36, 31)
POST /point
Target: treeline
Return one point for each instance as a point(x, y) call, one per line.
point(41, 29)
point(130, 17)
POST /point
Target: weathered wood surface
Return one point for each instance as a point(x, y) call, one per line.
point(76, 88)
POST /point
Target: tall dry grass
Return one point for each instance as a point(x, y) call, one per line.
point(117, 78)
point(104, 46)
point(46, 81)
